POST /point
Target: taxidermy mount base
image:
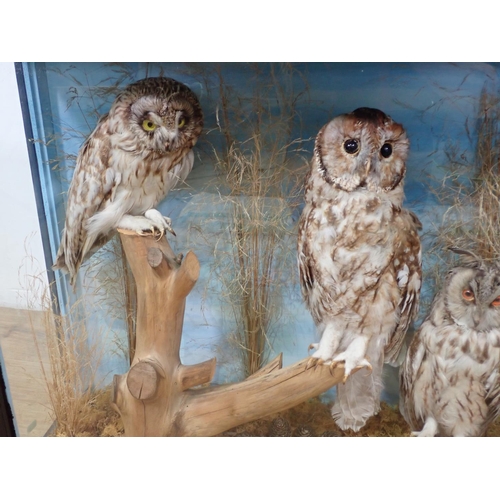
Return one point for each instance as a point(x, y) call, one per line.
point(158, 395)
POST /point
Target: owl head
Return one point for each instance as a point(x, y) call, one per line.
point(364, 149)
point(161, 114)
point(472, 293)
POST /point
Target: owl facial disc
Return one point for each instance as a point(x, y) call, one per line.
point(364, 150)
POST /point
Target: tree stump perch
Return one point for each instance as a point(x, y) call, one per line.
point(159, 396)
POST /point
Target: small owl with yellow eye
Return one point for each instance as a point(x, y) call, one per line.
point(136, 154)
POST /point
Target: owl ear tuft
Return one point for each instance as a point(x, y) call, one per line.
point(469, 258)
point(462, 251)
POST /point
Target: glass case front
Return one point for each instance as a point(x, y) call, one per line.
point(239, 207)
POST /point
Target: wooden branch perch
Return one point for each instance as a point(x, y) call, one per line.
point(158, 395)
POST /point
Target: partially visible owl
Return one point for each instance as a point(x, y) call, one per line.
point(359, 255)
point(450, 379)
point(136, 154)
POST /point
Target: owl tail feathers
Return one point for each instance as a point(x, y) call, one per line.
point(63, 263)
point(60, 263)
point(358, 398)
point(72, 253)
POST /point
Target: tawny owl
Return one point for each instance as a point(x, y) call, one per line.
point(135, 155)
point(450, 379)
point(359, 255)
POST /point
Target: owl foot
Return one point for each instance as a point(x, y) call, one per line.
point(313, 362)
point(160, 222)
point(154, 224)
point(334, 365)
point(350, 363)
point(429, 430)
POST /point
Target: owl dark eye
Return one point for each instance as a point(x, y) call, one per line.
point(351, 146)
point(496, 302)
point(386, 150)
point(468, 295)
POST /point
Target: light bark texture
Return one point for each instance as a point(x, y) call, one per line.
point(159, 396)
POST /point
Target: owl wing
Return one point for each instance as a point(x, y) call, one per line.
point(492, 398)
point(92, 184)
point(409, 372)
point(304, 259)
point(407, 263)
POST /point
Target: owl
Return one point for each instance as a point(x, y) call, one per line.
point(136, 154)
point(359, 255)
point(450, 381)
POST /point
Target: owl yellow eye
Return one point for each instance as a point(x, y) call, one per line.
point(148, 125)
point(468, 295)
point(496, 302)
point(182, 122)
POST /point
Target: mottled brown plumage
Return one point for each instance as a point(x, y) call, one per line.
point(359, 254)
point(450, 379)
point(136, 154)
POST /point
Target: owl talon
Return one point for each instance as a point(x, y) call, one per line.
point(312, 346)
point(160, 222)
point(313, 362)
point(351, 363)
point(368, 366)
point(310, 363)
point(146, 232)
point(364, 364)
point(332, 366)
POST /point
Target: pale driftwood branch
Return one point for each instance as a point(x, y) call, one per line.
point(142, 380)
point(191, 376)
point(155, 257)
point(275, 364)
point(158, 396)
point(216, 409)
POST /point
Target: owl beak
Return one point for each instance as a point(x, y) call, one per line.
point(476, 316)
point(368, 167)
point(170, 139)
point(364, 175)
